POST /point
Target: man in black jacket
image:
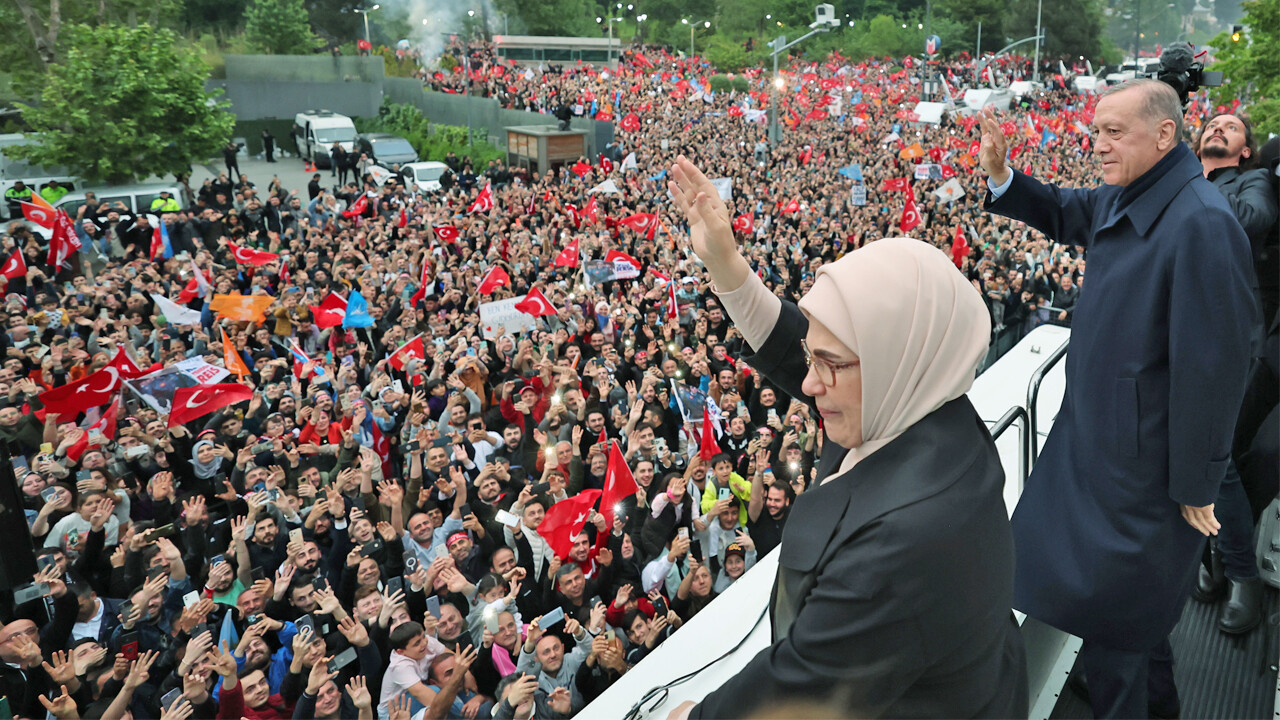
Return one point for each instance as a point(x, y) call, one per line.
point(1228, 153)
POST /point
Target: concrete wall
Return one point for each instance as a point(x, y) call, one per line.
point(272, 99)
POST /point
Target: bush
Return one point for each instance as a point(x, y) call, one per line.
point(740, 83)
point(433, 142)
point(726, 55)
point(720, 83)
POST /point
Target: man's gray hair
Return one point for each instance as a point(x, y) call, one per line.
point(1159, 101)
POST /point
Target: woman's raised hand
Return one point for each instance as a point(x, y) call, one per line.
point(710, 227)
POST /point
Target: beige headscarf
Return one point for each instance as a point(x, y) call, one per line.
point(918, 326)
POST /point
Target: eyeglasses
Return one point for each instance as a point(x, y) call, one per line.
point(825, 369)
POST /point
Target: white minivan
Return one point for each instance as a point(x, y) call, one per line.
point(315, 132)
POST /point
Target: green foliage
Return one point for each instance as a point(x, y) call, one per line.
point(448, 63)
point(396, 66)
point(433, 142)
point(719, 83)
point(126, 103)
point(726, 55)
point(552, 17)
point(885, 36)
point(1071, 27)
point(280, 27)
point(1250, 66)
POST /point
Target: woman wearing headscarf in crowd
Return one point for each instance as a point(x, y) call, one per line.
point(895, 579)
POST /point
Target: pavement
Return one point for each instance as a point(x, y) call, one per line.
point(290, 170)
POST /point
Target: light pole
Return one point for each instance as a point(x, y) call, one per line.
point(779, 45)
point(610, 21)
point(1035, 71)
point(692, 27)
point(364, 12)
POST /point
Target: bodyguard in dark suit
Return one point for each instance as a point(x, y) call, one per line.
point(1115, 514)
point(895, 570)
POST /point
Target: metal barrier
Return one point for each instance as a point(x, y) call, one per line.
point(1016, 413)
point(1033, 397)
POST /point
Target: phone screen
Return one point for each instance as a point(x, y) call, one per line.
point(433, 606)
point(552, 618)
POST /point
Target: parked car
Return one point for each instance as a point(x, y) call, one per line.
point(386, 149)
point(426, 175)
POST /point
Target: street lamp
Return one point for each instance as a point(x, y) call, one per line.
point(365, 13)
point(692, 27)
point(825, 23)
point(611, 21)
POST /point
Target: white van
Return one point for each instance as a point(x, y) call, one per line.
point(315, 132)
point(426, 175)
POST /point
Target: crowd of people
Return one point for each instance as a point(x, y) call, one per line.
point(375, 530)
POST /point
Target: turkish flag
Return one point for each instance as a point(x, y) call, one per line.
point(806, 154)
point(935, 154)
point(38, 214)
point(707, 445)
point(64, 240)
point(673, 306)
point(606, 165)
point(483, 202)
point(949, 172)
point(15, 267)
point(630, 123)
point(125, 365)
point(641, 61)
point(568, 257)
point(793, 206)
point(618, 484)
point(646, 223)
point(231, 359)
point(250, 256)
point(446, 233)
point(619, 255)
point(415, 349)
point(194, 402)
point(157, 244)
point(735, 111)
point(816, 115)
point(357, 208)
point(959, 247)
point(592, 211)
point(829, 83)
point(574, 215)
point(564, 520)
point(73, 398)
point(404, 218)
point(745, 224)
point(536, 304)
point(106, 425)
point(581, 168)
point(496, 278)
point(895, 184)
point(331, 312)
point(910, 215)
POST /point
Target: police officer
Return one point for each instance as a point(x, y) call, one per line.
point(15, 196)
point(165, 203)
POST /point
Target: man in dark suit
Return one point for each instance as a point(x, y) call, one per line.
point(1115, 514)
point(97, 616)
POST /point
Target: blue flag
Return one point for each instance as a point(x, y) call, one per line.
point(164, 238)
point(853, 172)
point(1047, 137)
point(660, 175)
point(357, 312)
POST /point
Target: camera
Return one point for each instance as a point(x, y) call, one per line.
point(824, 18)
point(1180, 70)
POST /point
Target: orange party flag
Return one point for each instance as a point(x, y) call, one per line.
point(231, 357)
point(246, 308)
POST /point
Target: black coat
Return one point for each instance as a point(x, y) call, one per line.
point(1155, 377)
point(895, 579)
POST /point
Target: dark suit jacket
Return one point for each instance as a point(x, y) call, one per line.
point(895, 579)
point(1155, 377)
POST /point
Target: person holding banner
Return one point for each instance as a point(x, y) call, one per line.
point(895, 579)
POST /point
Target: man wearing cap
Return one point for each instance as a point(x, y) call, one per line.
point(165, 203)
point(15, 196)
point(467, 556)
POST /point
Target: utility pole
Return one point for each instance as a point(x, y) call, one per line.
point(779, 45)
point(977, 52)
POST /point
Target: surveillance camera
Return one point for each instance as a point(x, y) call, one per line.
point(824, 16)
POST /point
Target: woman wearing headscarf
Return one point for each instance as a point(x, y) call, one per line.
point(895, 579)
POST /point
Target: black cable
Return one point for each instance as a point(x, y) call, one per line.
point(661, 691)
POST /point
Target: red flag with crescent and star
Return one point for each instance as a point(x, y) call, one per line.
point(619, 484)
point(96, 389)
point(38, 214)
point(565, 519)
point(331, 312)
point(250, 256)
point(536, 304)
point(568, 257)
point(194, 402)
point(15, 267)
point(483, 202)
point(415, 349)
point(496, 278)
point(446, 233)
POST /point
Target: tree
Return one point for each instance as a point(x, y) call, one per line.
point(1249, 66)
point(125, 103)
point(1071, 27)
point(280, 27)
